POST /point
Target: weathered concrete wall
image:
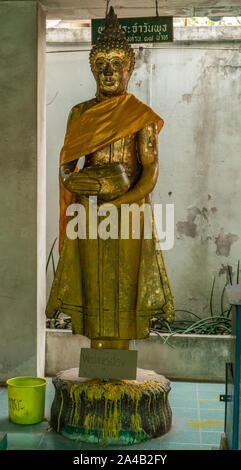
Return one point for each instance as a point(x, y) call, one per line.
point(63, 350)
point(179, 357)
point(143, 8)
point(186, 357)
point(76, 34)
point(196, 89)
point(22, 189)
point(199, 98)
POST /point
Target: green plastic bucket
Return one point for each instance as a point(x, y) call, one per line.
point(26, 399)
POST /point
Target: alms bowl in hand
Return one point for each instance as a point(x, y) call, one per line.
point(112, 178)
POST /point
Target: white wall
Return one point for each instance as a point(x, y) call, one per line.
point(197, 91)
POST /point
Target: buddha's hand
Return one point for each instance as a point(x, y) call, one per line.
point(81, 183)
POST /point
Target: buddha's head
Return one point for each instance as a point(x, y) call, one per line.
point(112, 59)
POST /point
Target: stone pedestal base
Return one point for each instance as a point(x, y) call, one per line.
point(113, 411)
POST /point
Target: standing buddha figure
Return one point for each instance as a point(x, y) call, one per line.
point(110, 286)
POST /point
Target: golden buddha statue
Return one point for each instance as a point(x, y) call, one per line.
point(110, 287)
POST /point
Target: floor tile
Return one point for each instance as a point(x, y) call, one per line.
point(3, 397)
point(3, 409)
point(9, 427)
point(198, 419)
point(186, 394)
point(181, 400)
point(209, 395)
point(24, 441)
point(206, 447)
point(180, 436)
point(183, 386)
point(212, 438)
point(216, 388)
point(177, 446)
point(210, 420)
point(182, 417)
point(212, 403)
point(211, 414)
point(54, 441)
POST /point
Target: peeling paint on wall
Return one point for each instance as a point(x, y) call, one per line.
point(224, 243)
point(143, 56)
point(225, 269)
point(226, 70)
point(189, 228)
point(195, 226)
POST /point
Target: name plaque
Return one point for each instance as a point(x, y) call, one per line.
point(139, 30)
point(108, 363)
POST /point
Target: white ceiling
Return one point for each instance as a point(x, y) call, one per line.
point(81, 9)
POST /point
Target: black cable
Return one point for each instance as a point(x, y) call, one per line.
point(157, 13)
point(107, 7)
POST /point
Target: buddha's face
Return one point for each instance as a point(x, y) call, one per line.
point(111, 72)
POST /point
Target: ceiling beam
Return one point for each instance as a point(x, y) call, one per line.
point(82, 9)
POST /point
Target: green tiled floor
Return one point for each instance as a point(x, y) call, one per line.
point(198, 421)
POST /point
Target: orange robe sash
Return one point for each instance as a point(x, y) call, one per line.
point(99, 126)
point(105, 123)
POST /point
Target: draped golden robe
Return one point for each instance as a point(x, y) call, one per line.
point(111, 288)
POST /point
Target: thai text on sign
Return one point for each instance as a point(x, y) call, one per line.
point(140, 30)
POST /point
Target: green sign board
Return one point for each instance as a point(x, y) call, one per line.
point(140, 30)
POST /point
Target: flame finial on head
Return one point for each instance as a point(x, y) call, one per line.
point(112, 38)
